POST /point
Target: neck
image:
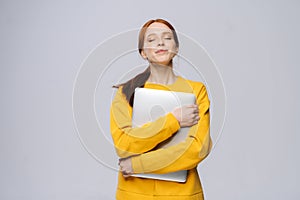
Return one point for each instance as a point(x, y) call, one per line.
point(162, 74)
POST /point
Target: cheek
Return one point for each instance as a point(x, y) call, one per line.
point(150, 45)
point(146, 51)
point(170, 44)
point(149, 49)
point(173, 49)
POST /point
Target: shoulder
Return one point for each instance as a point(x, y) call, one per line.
point(196, 86)
point(119, 95)
point(199, 89)
point(119, 103)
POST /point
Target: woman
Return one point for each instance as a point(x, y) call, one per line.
point(158, 43)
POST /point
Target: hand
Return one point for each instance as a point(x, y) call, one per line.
point(187, 115)
point(125, 166)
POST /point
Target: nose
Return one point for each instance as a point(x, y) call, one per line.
point(161, 42)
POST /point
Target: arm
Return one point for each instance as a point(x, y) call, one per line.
point(130, 141)
point(185, 155)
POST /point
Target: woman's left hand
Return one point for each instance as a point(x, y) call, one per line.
point(126, 167)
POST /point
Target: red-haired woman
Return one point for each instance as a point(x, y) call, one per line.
point(158, 43)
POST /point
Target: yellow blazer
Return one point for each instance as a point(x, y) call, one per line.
point(140, 143)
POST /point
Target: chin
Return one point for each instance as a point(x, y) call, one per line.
point(164, 63)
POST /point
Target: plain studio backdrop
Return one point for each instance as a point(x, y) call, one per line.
point(254, 44)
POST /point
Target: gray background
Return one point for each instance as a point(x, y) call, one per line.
point(255, 45)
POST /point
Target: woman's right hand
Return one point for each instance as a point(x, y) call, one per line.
point(187, 115)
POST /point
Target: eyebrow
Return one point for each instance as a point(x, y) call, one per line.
point(164, 33)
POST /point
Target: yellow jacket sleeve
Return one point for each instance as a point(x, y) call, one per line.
point(130, 141)
point(185, 155)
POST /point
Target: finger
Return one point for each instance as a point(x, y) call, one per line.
point(191, 106)
point(191, 111)
point(195, 106)
point(195, 122)
point(196, 115)
point(120, 161)
point(126, 175)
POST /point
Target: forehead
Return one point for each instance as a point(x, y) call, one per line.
point(157, 28)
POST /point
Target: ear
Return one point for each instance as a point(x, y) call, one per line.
point(143, 55)
point(176, 50)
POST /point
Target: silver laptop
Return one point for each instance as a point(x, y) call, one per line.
point(150, 104)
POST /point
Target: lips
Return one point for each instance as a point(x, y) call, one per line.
point(161, 51)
